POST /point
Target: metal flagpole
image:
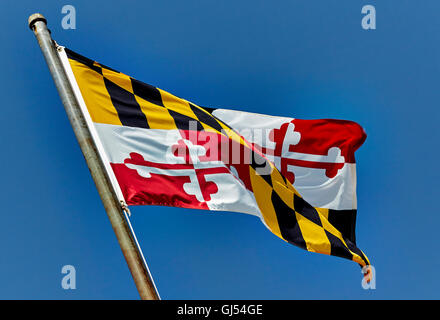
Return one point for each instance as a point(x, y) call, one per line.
point(115, 211)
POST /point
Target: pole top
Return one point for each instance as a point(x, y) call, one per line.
point(34, 18)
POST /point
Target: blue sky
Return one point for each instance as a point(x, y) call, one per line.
point(302, 59)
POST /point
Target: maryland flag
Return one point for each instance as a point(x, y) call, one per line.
point(297, 176)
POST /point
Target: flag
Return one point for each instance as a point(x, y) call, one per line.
point(297, 176)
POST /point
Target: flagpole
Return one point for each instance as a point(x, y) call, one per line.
point(115, 211)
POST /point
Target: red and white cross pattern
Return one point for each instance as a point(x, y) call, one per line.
point(193, 169)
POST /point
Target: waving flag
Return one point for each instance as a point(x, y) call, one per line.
point(297, 176)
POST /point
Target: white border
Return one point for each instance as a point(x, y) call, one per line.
point(66, 65)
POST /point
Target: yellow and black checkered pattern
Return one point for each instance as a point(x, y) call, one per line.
point(115, 98)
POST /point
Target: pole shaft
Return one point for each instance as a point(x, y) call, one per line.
point(139, 270)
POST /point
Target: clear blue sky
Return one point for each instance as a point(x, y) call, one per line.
point(302, 59)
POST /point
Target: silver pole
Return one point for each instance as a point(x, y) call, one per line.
point(133, 256)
